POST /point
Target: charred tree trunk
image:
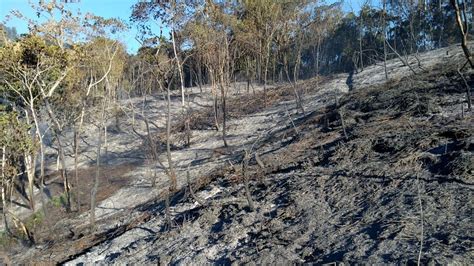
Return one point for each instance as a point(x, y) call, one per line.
point(245, 176)
point(224, 115)
point(463, 30)
point(171, 172)
point(384, 44)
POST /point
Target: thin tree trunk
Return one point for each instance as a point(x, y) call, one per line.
point(154, 152)
point(298, 98)
point(199, 75)
point(215, 104)
point(384, 43)
point(462, 26)
point(95, 188)
point(30, 172)
point(318, 50)
point(180, 70)
point(77, 136)
point(4, 185)
point(247, 74)
point(360, 43)
point(57, 132)
point(171, 172)
point(76, 170)
point(41, 177)
point(30, 163)
point(265, 79)
point(404, 61)
point(223, 106)
point(248, 194)
point(468, 91)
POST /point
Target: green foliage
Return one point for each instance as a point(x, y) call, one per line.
point(16, 140)
point(58, 201)
point(35, 219)
point(6, 240)
point(15, 133)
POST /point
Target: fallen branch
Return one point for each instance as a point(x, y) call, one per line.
point(404, 62)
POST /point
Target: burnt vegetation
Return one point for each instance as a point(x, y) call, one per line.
point(262, 132)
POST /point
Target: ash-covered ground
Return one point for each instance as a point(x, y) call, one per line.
point(373, 171)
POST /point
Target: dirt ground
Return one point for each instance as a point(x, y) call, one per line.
point(403, 176)
point(43, 228)
point(382, 173)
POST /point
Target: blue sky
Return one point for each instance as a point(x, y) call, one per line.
point(104, 8)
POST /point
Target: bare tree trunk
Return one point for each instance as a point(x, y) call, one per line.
point(360, 43)
point(152, 146)
point(297, 65)
point(412, 35)
point(30, 163)
point(247, 74)
point(187, 125)
point(298, 98)
point(405, 62)
point(77, 136)
point(463, 30)
point(41, 177)
point(199, 69)
point(293, 83)
point(180, 70)
point(66, 185)
point(384, 44)
point(223, 106)
point(4, 185)
point(76, 170)
point(216, 112)
point(30, 172)
point(248, 194)
point(214, 94)
point(265, 80)
point(95, 188)
point(318, 51)
point(107, 104)
point(171, 172)
point(57, 133)
point(468, 91)
point(267, 60)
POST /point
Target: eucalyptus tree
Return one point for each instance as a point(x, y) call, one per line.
point(47, 74)
point(105, 60)
point(205, 45)
point(463, 26)
point(172, 14)
point(43, 71)
point(32, 72)
point(262, 20)
point(325, 19)
point(15, 143)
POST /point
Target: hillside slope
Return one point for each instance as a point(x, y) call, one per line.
point(397, 170)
